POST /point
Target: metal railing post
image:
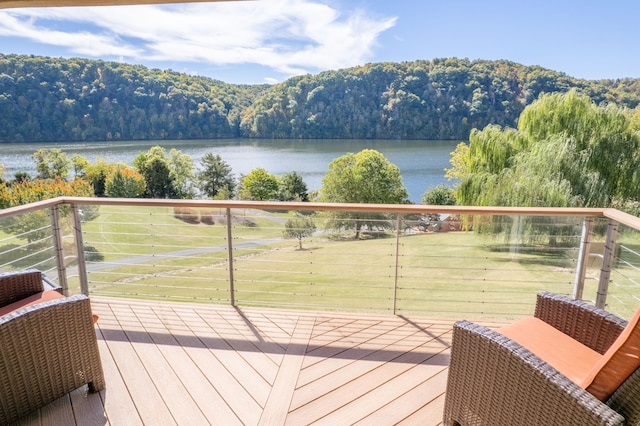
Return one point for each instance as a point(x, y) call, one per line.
point(82, 266)
point(397, 267)
point(607, 264)
point(232, 298)
point(583, 255)
point(57, 242)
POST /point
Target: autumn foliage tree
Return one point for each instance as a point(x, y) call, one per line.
point(124, 182)
point(33, 226)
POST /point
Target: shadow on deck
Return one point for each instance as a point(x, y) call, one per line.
point(178, 363)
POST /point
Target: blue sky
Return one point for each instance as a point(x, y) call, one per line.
point(271, 40)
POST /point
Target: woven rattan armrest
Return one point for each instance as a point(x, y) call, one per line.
point(48, 350)
point(17, 285)
point(47, 284)
point(626, 399)
point(591, 326)
point(495, 381)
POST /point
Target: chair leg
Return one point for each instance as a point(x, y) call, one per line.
point(93, 388)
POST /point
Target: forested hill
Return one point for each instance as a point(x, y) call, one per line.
point(53, 99)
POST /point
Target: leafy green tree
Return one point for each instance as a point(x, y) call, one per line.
point(365, 177)
point(51, 163)
point(635, 120)
point(97, 174)
point(215, 179)
point(299, 227)
point(293, 188)
point(124, 182)
point(440, 195)
point(182, 176)
point(80, 164)
point(259, 185)
point(566, 152)
point(154, 166)
point(21, 175)
point(157, 175)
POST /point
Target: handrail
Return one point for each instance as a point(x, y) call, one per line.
point(31, 207)
point(293, 205)
point(622, 218)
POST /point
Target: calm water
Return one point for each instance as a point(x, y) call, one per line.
point(421, 163)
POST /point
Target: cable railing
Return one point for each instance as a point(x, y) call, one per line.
point(447, 261)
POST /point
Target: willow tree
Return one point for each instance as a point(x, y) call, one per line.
point(366, 177)
point(566, 152)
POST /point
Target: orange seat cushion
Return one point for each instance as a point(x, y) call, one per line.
point(40, 297)
point(568, 356)
point(618, 363)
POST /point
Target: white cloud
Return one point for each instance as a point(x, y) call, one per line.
point(288, 36)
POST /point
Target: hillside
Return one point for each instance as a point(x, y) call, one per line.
point(53, 99)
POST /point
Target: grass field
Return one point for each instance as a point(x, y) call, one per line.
point(151, 253)
point(433, 273)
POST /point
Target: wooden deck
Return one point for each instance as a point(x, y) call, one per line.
point(188, 364)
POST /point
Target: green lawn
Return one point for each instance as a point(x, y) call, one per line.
point(437, 273)
point(153, 254)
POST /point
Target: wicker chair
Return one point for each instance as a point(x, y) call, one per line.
point(495, 381)
point(46, 350)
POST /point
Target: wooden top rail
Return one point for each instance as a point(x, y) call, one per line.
point(623, 218)
point(377, 208)
point(617, 215)
point(386, 208)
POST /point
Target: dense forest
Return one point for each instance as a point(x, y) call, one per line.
point(52, 99)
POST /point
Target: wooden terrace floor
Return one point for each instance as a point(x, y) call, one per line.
point(188, 364)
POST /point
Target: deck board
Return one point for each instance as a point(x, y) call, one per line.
point(277, 407)
point(116, 398)
point(182, 363)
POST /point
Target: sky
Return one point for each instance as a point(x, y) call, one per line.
point(268, 41)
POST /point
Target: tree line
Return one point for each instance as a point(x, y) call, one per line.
point(365, 177)
point(566, 151)
point(53, 99)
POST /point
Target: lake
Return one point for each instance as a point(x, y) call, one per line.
point(421, 163)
